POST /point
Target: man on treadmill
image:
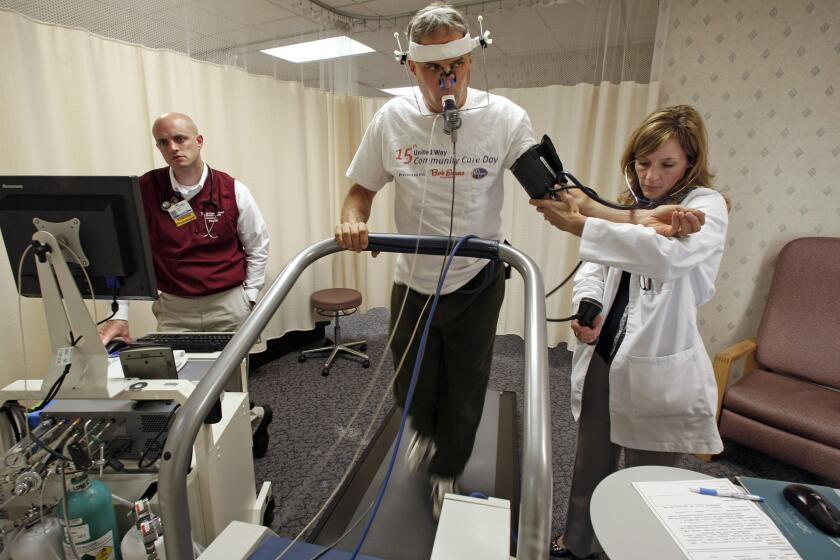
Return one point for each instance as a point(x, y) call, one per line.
point(451, 384)
point(209, 244)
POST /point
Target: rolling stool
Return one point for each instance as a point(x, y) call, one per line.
point(335, 302)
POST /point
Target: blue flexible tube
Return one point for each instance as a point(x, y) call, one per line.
point(414, 374)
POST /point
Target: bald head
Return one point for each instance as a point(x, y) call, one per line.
point(179, 142)
point(172, 118)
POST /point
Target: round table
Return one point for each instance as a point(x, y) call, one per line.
point(624, 524)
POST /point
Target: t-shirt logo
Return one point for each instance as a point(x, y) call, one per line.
point(479, 173)
point(406, 155)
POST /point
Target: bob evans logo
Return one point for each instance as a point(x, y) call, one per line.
point(445, 173)
point(479, 173)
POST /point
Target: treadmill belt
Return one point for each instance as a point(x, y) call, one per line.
point(404, 528)
point(270, 548)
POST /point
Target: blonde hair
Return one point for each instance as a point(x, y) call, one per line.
point(684, 123)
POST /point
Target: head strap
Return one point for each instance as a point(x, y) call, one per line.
point(452, 49)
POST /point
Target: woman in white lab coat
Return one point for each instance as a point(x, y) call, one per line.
point(642, 381)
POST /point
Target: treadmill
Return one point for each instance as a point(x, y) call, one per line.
point(403, 527)
point(406, 510)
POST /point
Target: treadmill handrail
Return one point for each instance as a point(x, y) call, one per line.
point(433, 245)
point(535, 497)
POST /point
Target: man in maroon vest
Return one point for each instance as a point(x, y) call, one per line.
point(209, 244)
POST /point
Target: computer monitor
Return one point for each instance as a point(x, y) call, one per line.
point(111, 229)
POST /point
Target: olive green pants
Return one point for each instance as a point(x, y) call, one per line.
point(449, 395)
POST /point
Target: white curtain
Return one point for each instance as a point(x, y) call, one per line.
point(78, 104)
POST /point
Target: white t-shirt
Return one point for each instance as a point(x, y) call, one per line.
point(397, 147)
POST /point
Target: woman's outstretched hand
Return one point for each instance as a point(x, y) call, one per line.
point(673, 221)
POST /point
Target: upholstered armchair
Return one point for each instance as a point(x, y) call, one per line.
point(787, 403)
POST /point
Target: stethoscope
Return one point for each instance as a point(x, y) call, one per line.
point(640, 201)
point(643, 202)
point(209, 208)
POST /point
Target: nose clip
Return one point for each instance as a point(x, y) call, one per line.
point(447, 80)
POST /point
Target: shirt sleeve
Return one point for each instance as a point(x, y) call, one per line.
point(253, 234)
point(522, 137)
point(122, 311)
point(589, 282)
point(641, 250)
point(367, 167)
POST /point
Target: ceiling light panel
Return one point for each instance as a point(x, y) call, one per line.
point(334, 47)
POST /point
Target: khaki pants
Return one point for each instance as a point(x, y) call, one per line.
point(220, 312)
point(597, 457)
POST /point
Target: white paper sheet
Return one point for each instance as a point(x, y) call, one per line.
point(715, 528)
point(181, 359)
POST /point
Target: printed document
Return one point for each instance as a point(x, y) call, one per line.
point(712, 527)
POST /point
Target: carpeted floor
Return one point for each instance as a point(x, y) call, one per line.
point(313, 441)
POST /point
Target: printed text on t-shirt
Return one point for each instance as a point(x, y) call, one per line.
point(422, 156)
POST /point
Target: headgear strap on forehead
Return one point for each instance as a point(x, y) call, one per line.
point(452, 49)
point(429, 53)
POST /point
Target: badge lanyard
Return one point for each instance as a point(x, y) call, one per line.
point(182, 213)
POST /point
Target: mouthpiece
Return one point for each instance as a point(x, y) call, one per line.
point(451, 117)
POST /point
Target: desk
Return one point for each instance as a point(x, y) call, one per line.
point(625, 526)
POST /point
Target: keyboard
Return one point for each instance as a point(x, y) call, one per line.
point(190, 342)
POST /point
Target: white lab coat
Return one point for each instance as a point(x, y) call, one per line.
point(662, 387)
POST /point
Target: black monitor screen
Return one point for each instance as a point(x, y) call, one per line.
point(111, 229)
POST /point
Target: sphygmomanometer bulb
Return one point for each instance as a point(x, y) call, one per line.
point(588, 309)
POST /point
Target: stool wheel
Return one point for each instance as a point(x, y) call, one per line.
point(301, 357)
point(325, 371)
point(363, 347)
point(366, 364)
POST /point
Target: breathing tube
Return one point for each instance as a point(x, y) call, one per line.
point(374, 378)
point(451, 123)
point(447, 260)
point(415, 374)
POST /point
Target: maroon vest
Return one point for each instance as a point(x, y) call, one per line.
point(188, 262)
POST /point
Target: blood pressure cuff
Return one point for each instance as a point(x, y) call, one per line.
point(537, 169)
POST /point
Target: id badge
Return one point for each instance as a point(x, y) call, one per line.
point(181, 213)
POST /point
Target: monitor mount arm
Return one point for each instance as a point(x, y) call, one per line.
point(52, 245)
point(66, 312)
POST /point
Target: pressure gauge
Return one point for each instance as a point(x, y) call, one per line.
point(15, 460)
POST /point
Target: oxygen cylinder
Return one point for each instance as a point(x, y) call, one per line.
point(132, 546)
point(93, 521)
point(40, 541)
